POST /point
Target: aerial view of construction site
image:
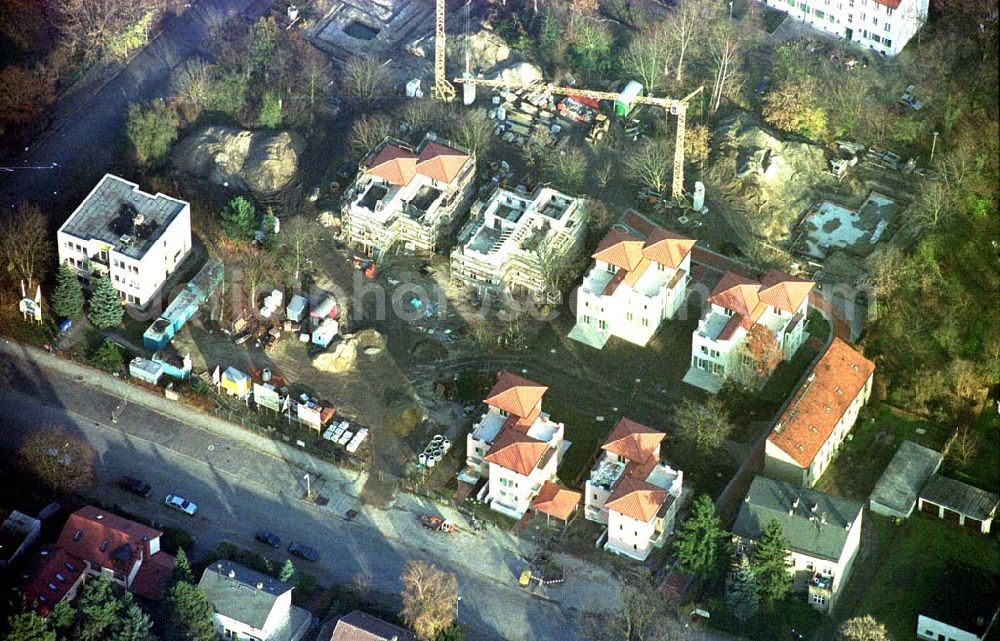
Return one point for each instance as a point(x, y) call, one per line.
point(499, 320)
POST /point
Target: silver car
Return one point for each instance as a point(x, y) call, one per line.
point(181, 504)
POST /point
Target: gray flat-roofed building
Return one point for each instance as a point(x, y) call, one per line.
point(17, 533)
point(895, 494)
point(959, 503)
point(134, 238)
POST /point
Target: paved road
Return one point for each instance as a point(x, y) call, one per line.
point(239, 488)
point(85, 130)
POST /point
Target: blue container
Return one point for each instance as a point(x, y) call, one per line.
point(65, 325)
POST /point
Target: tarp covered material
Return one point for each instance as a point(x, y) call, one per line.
point(325, 332)
point(327, 308)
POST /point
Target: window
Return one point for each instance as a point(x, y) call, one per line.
point(887, 42)
point(887, 25)
point(875, 21)
point(78, 535)
point(628, 317)
point(810, 567)
point(820, 14)
point(818, 599)
point(60, 577)
point(804, 7)
point(645, 322)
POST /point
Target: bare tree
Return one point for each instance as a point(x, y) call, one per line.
point(25, 248)
point(193, 81)
point(964, 447)
point(424, 115)
point(298, 240)
point(644, 616)
point(430, 598)
point(473, 130)
point(363, 583)
point(651, 165)
point(649, 57)
point(365, 77)
point(89, 27)
point(685, 26)
point(368, 131)
point(567, 167)
point(59, 458)
point(863, 628)
point(703, 425)
point(696, 144)
point(258, 267)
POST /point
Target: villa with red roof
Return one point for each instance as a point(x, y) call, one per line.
point(515, 445)
point(413, 197)
point(777, 304)
point(884, 26)
point(633, 492)
point(639, 278)
point(810, 430)
point(97, 543)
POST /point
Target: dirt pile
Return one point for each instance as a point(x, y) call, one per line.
point(767, 180)
point(344, 356)
point(488, 54)
point(263, 162)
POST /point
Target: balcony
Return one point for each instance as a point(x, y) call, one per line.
point(821, 582)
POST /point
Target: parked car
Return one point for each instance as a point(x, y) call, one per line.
point(269, 537)
point(135, 486)
point(303, 552)
point(181, 503)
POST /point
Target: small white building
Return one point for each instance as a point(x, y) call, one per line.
point(965, 606)
point(823, 534)
point(639, 278)
point(515, 445)
point(777, 306)
point(250, 606)
point(413, 197)
point(822, 411)
point(518, 244)
point(134, 238)
point(633, 492)
point(884, 26)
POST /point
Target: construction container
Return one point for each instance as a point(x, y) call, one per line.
point(325, 333)
point(327, 308)
point(145, 370)
point(625, 101)
point(236, 383)
point(296, 309)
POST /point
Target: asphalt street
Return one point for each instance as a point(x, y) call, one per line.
point(239, 489)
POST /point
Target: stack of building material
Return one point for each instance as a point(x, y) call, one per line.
point(357, 440)
point(272, 303)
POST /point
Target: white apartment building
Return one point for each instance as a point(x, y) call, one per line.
point(633, 492)
point(413, 197)
point(810, 430)
point(519, 244)
point(250, 606)
point(884, 26)
point(823, 534)
point(779, 304)
point(639, 278)
point(515, 445)
point(134, 238)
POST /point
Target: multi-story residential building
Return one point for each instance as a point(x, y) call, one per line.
point(884, 26)
point(632, 491)
point(519, 244)
point(414, 197)
point(810, 430)
point(738, 306)
point(97, 543)
point(639, 278)
point(250, 606)
point(515, 445)
point(823, 534)
point(136, 239)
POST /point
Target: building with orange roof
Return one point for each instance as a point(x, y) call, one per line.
point(514, 446)
point(639, 278)
point(414, 197)
point(633, 492)
point(778, 304)
point(514, 243)
point(820, 414)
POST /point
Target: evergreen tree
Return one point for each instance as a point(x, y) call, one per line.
point(134, 624)
point(182, 570)
point(28, 626)
point(741, 594)
point(701, 544)
point(770, 562)
point(62, 616)
point(287, 571)
point(239, 219)
point(187, 614)
point(105, 304)
point(99, 609)
point(270, 223)
point(108, 357)
point(67, 297)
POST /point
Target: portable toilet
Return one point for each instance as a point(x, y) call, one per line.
point(626, 99)
point(698, 200)
point(468, 91)
point(235, 383)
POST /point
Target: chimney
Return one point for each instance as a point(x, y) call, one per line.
point(260, 585)
point(232, 574)
point(813, 507)
point(795, 503)
point(138, 219)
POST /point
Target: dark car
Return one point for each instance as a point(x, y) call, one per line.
point(135, 486)
point(266, 536)
point(346, 171)
point(303, 552)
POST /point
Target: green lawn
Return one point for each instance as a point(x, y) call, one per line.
point(984, 470)
point(913, 558)
point(869, 448)
point(784, 379)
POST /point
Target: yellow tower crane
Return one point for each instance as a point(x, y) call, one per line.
point(442, 89)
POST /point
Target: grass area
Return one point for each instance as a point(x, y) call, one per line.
point(915, 557)
point(818, 326)
point(871, 445)
point(586, 434)
point(793, 615)
point(14, 327)
point(786, 376)
point(984, 469)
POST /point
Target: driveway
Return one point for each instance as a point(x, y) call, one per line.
point(239, 487)
point(85, 130)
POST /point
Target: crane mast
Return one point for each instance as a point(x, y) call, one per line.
point(442, 89)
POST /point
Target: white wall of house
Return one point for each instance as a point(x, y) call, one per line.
point(829, 450)
point(241, 631)
point(594, 502)
point(511, 493)
point(630, 537)
point(932, 630)
point(864, 22)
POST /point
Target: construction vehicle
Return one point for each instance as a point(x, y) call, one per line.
point(436, 523)
point(445, 90)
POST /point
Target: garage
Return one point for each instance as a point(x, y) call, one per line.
point(959, 503)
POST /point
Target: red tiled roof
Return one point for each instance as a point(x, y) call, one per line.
point(637, 499)
point(892, 4)
point(817, 406)
point(748, 299)
point(515, 451)
point(152, 576)
point(515, 395)
point(440, 162)
point(106, 540)
point(393, 164)
point(634, 441)
point(667, 248)
point(54, 562)
point(555, 500)
point(619, 248)
point(737, 293)
point(361, 626)
point(783, 291)
point(633, 255)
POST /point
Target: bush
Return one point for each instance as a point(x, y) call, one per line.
point(270, 111)
point(108, 357)
point(151, 131)
point(239, 219)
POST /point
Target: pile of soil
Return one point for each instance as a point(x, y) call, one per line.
point(344, 356)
